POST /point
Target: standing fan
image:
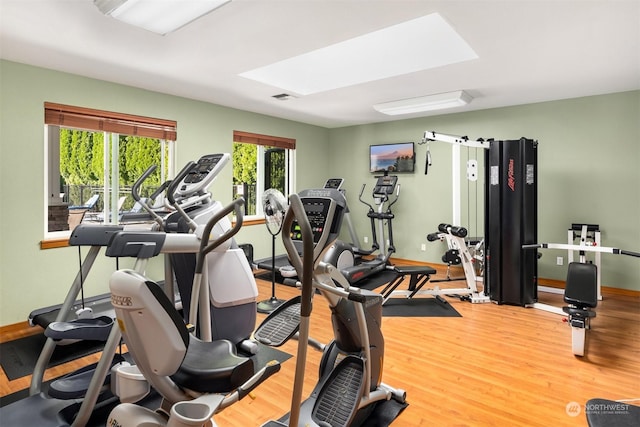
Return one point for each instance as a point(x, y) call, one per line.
point(275, 206)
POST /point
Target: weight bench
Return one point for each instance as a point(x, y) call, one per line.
point(581, 293)
point(418, 276)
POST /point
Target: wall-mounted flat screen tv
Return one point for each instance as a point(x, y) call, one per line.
point(398, 157)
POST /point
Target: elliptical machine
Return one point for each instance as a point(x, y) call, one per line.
point(230, 304)
point(219, 310)
point(195, 378)
point(344, 256)
point(350, 384)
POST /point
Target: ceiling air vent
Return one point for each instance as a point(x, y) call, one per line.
point(283, 96)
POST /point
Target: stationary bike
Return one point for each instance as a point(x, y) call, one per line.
point(349, 385)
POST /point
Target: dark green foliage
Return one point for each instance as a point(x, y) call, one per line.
point(82, 162)
point(244, 160)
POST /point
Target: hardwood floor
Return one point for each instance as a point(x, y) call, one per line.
point(495, 365)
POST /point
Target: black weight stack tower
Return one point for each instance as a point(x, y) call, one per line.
point(511, 217)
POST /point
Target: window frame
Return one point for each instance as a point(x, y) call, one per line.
point(112, 124)
point(264, 141)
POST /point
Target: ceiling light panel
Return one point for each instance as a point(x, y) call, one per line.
point(160, 17)
point(416, 45)
point(438, 101)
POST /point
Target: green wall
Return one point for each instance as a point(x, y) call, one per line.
point(589, 154)
point(31, 278)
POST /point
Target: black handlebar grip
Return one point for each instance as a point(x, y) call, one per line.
point(432, 237)
point(136, 186)
point(160, 189)
point(177, 180)
point(443, 228)
point(630, 253)
point(271, 368)
point(357, 298)
point(459, 231)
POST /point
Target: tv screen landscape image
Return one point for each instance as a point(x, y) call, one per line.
point(398, 157)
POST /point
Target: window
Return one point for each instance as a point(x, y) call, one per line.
point(93, 158)
point(261, 162)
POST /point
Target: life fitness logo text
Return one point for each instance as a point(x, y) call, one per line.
point(511, 178)
point(121, 301)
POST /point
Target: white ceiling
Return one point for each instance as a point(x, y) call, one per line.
point(529, 51)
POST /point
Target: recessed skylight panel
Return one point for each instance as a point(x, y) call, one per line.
point(416, 45)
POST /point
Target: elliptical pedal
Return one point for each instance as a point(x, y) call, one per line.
point(339, 397)
point(281, 324)
point(76, 384)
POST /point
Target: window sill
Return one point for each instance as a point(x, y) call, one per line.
point(55, 242)
point(250, 222)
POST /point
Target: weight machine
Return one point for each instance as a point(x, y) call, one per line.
point(510, 212)
point(582, 290)
point(419, 276)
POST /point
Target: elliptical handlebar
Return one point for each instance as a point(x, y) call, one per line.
point(304, 264)
point(362, 201)
point(176, 181)
point(135, 193)
point(136, 185)
point(160, 189)
point(396, 199)
point(205, 246)
point(172, 189)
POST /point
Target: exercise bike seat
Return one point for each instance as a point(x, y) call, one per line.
point(212, 367)
point(581, 288)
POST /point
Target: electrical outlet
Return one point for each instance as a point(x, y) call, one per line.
point(423, 247)
point(365, 239)
point(559, 260)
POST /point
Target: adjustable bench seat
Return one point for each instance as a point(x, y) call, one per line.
point(581, 293)
point(581, 289)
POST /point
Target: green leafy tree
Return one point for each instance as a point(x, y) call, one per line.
point(82, 160)
point(244, 159)
point(244, 163)
point(275, 174)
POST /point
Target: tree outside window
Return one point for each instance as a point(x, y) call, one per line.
point(261, 162)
